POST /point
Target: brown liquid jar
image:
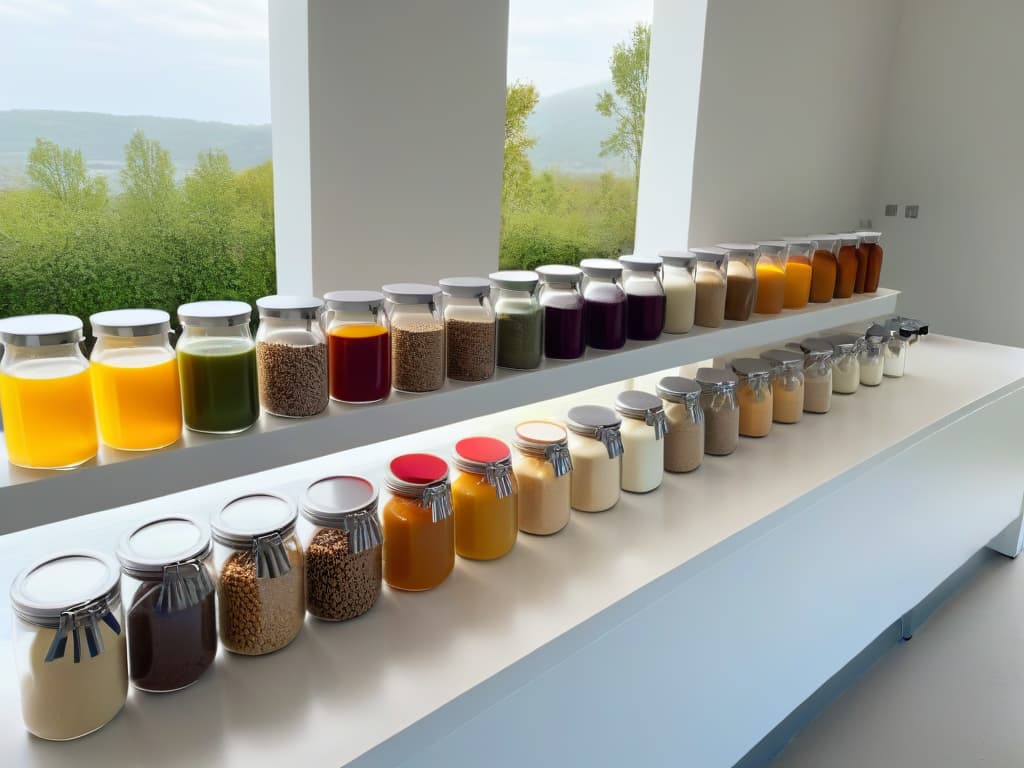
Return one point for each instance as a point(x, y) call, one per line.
point(824, 268)
point(741, 280)
point(872, 250)
point(846, 266)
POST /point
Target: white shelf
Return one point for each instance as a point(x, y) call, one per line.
point(29, 498)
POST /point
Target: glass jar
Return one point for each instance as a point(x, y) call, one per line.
point(543, 471)
point(291, 356)
point(846, 265)
point(643, 431)
point(604, 303)
point(69, 647)
point(817, 375)
point(845, 363)
point(217, 367)
point(417, 337)
point(645, 297)
point(680, 290)
point(787, 385)
point(798, 273)
point(741, 280)
point(342, 544)
point(520, 319)
point(562, 302)
point(721, 411)
point(871, 253)
point(823, 268)
point(358, 346)
point(261, 577)
point(484, 499)
point(469, 327)
point(894, 362)
point(46, 393)
point(595, 445)
point(771, 277)
point(754, 393)
point(135, 379)
point(684, 443)
point(709, 279)
point(872, 355)
point(419, 530)
point(172, 613)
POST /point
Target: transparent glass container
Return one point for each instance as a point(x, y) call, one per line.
point(358, 346)
point(543, 470)
point(595, 445)
point(604, 301)
point(824, 267)
point(520, 319)
point(710, 280)
point(817, 375)
point(645, 296)
point(721, 410)
point(343, 545)
point(417, 336)
point(261, 601)
point(562, 302)
point(771, 277)
point(846, 265)
point(871, 254)
point(894, 362)
point(741, 280)
point(291, 356)
point(470, 328)
point(169, 588)
point(680, 290)
point(754, 394)
point(484, 498)
point(69, 644)
point(845, 363)
point(798, 256)
point(217, 367)
point(787, 385)
point(46, 392)
point(872, 359)
point(684, 443)
point(418, 523)
point(643, 430)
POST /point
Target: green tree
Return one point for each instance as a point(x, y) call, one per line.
point(148, 177)
point(62, 174)
point(520, 101)
point(629, 65)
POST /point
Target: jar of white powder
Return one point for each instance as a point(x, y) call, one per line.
point(595, 445)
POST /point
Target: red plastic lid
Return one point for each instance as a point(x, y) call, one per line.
point(419, 468)
point(483, 450)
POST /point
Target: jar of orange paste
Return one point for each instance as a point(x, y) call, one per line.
point(484, 499)
point(824, 267)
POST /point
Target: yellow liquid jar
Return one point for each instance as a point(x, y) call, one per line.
point(135, 379)
point(484, 497)
point(45, 392)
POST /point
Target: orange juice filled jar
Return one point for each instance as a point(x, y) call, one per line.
point(135, 379)
point(846, 266)
point(419, 530)
point(358, 346)
point(45, 392)
point(823, 267)
point(484, 498)
point(871, 256)
point(797, 258)
point(771, 277)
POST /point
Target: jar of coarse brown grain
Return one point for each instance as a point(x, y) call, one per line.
point(342, 540)
point(261, 599)
point(417, 337)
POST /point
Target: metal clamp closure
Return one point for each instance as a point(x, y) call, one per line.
point(499, 475)
point(438, 497)
point(271, 557)
point(78, 622)
point(185, 585)
point(659, 420)
point(560, 458)
point(612, 439)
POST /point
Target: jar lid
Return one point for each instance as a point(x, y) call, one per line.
point(676, 389)
point(252, 516)
point(328, 500)
point(738, 247)
point(784, 358)
point(144, 551)
point(752, 368)
point(489, 457)
point(354, 301)
point(601, 268)
point(709, 253)
point(876, 332)
point(824, 242)
point(539, 433)
point(771, 246)
point(597, 422)
point(215, 314)
point(559, 273)
point(817, 349)
point(515, 279)
point(802, 241)
point(844, 342)
point(290, 307)
point(640, 263)
point(465, 287)
point(40, 330)
point(712, 379)
point(425, 477)
point(867, 236)
point(635, 404)
point(411, 293)
point(677, 258)
point(848, 238)
point(130, 323)
point(62, 582)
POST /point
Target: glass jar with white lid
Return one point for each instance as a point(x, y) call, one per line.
point(543, 469)
point(470, 328)
point(710, 282)
point(69, 644)
point(684, 443)
point(562, 303)
point(845, 362)
point(358, 346)
point(643, 430)
point(741, 280)
point(604, 303)
point(46, 392)
point(645, 296)
point(680, 290)
point(291, 356)
point(520, 319)
point(417, 336)
point(595, 444)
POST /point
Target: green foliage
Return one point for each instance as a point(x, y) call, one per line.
point(520, 101)
point(62, 174)
point(629, 65)
point(148, 178)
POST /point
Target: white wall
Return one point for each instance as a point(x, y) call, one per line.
point(954, 144)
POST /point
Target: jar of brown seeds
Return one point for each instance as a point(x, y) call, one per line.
point(417, 337)
point(469, 326)
point(291, 356)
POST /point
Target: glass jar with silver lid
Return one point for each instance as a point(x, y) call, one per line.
point(543, 470)
point(845, 362)
point(644, 426)
point(595, 444)
point(417, 336)
point(291, 356)
point(817, 374)
point(872, 356)
point(721, 410)
point(787, 384)
point(684, 443)
point(470, 328)
point(754, 394)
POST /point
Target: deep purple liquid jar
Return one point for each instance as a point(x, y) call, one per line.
point(645, 316)
point(605, 316)
point(563, 328)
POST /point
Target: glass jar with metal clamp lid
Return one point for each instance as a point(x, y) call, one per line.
point(845, 362)
point(754, 394)
point(643, 430)
point(595, 444)
point(787, 384)
point(543, 471)
point(684, 443)
point(872, 356)
point(69, 645)
point(817, 374)
point(721, 410)
point(260, 573)
point(484, 496)
point(169, 592)
point(897, 346)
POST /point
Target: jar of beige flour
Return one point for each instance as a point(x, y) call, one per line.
point(595, 444)
point(543, 470)
point(721, 411)
point(684, 443)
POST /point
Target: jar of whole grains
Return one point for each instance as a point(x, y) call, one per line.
point(469, 326)
point(417, 337)
point(543, 470)
point(342, 540)
point(291, 356)
point(260, 574)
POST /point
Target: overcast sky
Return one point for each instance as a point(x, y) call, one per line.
point(207, 59)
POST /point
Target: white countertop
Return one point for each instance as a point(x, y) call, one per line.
point(342, 689)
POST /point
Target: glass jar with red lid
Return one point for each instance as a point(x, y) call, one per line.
point(484, 497)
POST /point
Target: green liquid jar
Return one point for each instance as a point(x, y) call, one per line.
point(520, 319)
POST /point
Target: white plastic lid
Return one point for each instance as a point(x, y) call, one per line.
point(146, 549)
point(243, 519)
point(330, 498)
point(559, 273)
point(848, 238)
point(515, 279)
point(215, 314)
point(640, 263)
point(411, 293)
point(601, 268)
point(825, 242)
point(868, 236)
point(130, 323)
point(738, 247)
point(40, 330)
point(354, 300)
point(677, 258)
point(48, 587)
point(465, 287)
point(774, 246)
point(290, 307)
point(709, 253)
